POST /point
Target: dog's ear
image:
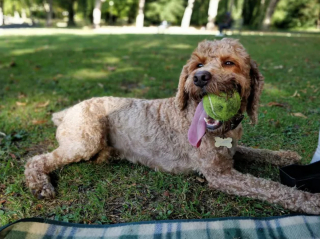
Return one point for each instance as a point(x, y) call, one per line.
point(256, 85)
point(182, 96)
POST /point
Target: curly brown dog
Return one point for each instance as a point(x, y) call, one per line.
point(155, 132)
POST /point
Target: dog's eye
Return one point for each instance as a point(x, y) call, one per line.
point(200, 65)
point(229, 63)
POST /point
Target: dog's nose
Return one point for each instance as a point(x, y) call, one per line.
point(201, 78)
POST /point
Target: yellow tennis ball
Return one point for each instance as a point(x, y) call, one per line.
point(222, 107)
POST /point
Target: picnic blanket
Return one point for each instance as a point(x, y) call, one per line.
point(299, 226)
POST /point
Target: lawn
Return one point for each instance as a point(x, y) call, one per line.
point(44, 74)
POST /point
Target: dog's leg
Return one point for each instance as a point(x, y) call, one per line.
point(81, 136)
point(38, 167)
point(236, 183)
point(279, 158)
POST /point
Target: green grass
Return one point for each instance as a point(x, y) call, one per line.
point(43, 74)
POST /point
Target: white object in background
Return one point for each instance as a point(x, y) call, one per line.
point(316, 156)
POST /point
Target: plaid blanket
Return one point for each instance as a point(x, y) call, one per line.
point(299, 226)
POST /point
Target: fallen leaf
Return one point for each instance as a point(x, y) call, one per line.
point(201, 180)
point(2, 201)
point(296, 94)
point(276, 104)
point(55, 78)
point(38, 206)
point(111, 68)
point(13, 156)
point(21, 95)
point(299, 115)
point(42, 105)
point(166, 194)
point(290, 70)
point(100, 85)
point(37, 122)
point(304, 91)
point(20, 103)
point(278, 67)
point(13, 64)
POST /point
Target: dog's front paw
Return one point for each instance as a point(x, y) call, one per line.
point(288, 157)
point(312, 204)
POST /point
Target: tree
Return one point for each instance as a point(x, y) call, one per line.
point(1, 13)
point(49, 13)
point(164, 10)
point(48, 7)
point(140, 17)
point(185, 23)
point(253, 12)
point(270, 10)
point(212, 13)
point(97, 14)
point(69, 6)
point(296, 14)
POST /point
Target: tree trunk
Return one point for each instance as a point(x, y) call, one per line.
point(71, 14)
point(140, 17)
point(97, 14)
point(1, 13)
point(49, 14)
point(270, 10)
point(185, 23)
point(48, 8)
point(212, 13)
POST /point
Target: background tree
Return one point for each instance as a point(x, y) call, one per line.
point(140, 17)
point(97, 13)
point(69, 6)
point(200, 13)
point(1, 12)
point(269, 13)
point(251, 13)
point(296, 14)
point(212, 13)
point(157, 11)
point(185, 23)
point(49, 13)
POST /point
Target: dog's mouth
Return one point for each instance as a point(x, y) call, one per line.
point(212, 124)
point(202, 122)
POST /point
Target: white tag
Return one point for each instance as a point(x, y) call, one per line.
point(223, 142)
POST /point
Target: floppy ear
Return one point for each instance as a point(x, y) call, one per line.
point(182, 96)
point(257, 81)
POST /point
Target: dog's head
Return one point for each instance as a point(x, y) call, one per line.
point(221, 66)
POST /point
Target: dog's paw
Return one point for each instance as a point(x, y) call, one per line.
point(46, 191)
point(311, 204)
point(289, 157)
point(39, 184)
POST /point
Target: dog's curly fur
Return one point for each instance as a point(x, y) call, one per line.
point(154, 132)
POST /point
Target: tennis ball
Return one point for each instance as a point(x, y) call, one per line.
point(222, 107)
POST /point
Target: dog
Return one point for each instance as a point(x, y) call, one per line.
point(170, 134)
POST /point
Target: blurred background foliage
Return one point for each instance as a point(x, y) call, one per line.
point(287, 14)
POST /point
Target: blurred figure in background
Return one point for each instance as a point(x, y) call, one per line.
point(225, 24)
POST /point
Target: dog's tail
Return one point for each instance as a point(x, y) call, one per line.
point(58, 117)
